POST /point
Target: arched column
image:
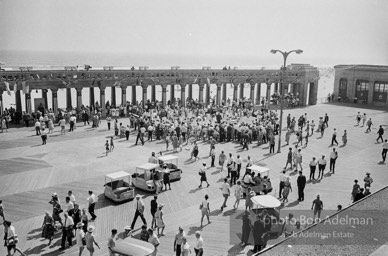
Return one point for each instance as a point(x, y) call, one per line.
point(123, 94)
point(54, 93)
point(207, 97)
point(102, 101)
point(44, 96)
point(91, 97)
point(153, 93)
point(133, 94)
point(252, 93)
point(224, 92)
point(258, 93)
point(200, 95)
point(241, 91)
point(79, 98)
point(144, 96)
point(164, 94)
point(190, 92)
point(235, 88)
point(218, 97)
point(183, 95)
point(172, 92)
point(113, 96)
point(28, 102)
point(18, 101)
point(68, 98)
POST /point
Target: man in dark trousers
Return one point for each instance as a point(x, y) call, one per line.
point(326, 120)
point(139, 212)
point(258, 233)
point(333, 158)
point(301, 181)
point(380, 132)
point(154, 208)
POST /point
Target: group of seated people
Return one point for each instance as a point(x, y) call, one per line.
point(257, 183)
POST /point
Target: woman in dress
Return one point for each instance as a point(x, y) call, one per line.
point(248, 199)
point(174, 140)
point(222, 159)
point(286, 190)
point(56, 209)
point(159, 220)
point(355, 190)
point(185, 247)
point(84, 220)
point(48, 227)
point(80, 237)
point(237, 193)
point(205, 209)
point(195, 151)
point(51, 126)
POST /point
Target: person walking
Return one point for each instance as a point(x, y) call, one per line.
point(301, 181)
point(363, 120)
point(221, 160)
point(298, 160)
point(205, 210)
point(139, 212)
point(355, 190)
point(345, 138)
point(258, 233)
point(237, 194)
point(321, 166)
point(286, 190)
point(225, 189)
point(127, 131)
point(67, 231)
point(112, 145)
point(48, 227)
point(92, 200)
point(166, 177)
point(369, 124)
point(358, 118)
point(107, 148)
point(313, 167)
point(178, 241)
point(154, 208)
point(333, 159)
point(380, 132)
point(202, 173)
point(334, 137)
point(230, 164)
point(385, 150)
point(11, 238)
point(213, 156)
point(159, 220)
point(282, 179)
point(317, 207)
point(271, 138)
point(80, 238)
point(90, 240)
point(2, 210)
point(198, 244)
point(326, 121)
point(368, 180)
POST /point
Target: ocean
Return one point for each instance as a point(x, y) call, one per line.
point(43, 60)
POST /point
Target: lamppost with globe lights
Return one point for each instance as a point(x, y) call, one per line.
point(283, 71)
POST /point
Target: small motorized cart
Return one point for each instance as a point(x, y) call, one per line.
point(133, 247)
point(143, 178)
point(172, 163)
point(118, 187)
point(270, 205)
point(259, 188)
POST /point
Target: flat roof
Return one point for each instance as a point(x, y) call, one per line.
point(167, 157)
point(117, 175)
point(266, 201)
point(258, 169)
point(147, 166)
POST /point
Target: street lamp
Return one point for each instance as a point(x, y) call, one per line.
point(283, 70)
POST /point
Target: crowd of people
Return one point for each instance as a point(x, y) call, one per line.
point(179, 127)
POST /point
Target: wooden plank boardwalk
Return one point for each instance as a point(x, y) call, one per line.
point(77, 162)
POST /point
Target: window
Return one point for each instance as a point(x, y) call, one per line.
point(362, 88)
point(380, 91)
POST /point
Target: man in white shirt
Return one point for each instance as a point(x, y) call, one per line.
point(62, 124)
point(313, 167)
point(225, 192)
point(37, 128)
point(321, 165)
point(230, 164)
point(198, 244)
point(10, 238)
point(333, 158)
point(67, 230)
point(238, 163)
point(139, 212)
point(69, 206)
point(92, 203)
point(72, 197)
point(72, 122)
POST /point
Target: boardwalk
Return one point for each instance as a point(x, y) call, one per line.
point(30, 173)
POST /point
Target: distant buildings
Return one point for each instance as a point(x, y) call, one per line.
point(365, 83)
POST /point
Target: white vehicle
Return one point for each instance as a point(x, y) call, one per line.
point(118, 187)
point(144, 176)
point(172, 163)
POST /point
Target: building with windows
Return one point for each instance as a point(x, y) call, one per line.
point(366, 83)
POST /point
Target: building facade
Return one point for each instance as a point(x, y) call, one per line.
point(366, 83)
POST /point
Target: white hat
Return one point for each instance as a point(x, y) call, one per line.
point(79, 224)
point(91, 228)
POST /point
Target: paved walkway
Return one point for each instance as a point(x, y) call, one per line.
point(30, 173)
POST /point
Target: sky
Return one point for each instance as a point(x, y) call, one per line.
point(329, 31)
